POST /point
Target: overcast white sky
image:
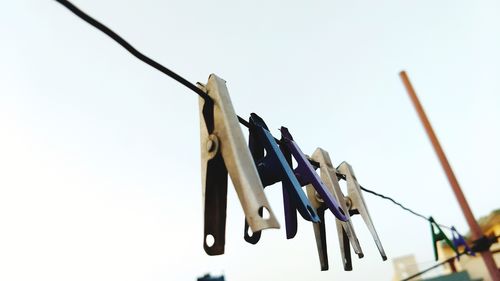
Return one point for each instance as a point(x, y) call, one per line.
point(99, 153)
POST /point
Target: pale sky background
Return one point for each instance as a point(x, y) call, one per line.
point(99, 153)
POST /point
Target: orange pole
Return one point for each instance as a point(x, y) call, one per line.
point(474, 226)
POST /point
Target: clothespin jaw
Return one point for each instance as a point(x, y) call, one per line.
point(223, 150)
point(345, 230)
point(438, 236)
point(307, 175)
point(458, 240)
point(273, 168)
point(319, 228)
point(357, 203)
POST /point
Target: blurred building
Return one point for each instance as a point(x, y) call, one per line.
point(208, 277)
point(456, 276)
point(468, 268)
point(405, 267)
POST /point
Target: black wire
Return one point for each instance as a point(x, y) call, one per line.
point(245, 123)
point(432, 267)
point(401, 205)
point(90, 20)
point(131, 49)
point(394, 202)
point(117, 38)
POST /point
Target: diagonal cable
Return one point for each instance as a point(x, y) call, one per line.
point(131, 49)
point(400, 205)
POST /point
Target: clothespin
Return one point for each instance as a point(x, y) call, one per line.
point(273, 168)
point(438, 237)
point(345, 229)
point(223, 150)
point(458, 240)
point(357, 205)
point(306, 175)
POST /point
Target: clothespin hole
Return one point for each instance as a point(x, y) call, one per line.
point(343, 186)
point(249, 232)
point(264, 213)
point(210, 240)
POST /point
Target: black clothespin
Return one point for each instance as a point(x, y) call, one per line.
point(273, 167)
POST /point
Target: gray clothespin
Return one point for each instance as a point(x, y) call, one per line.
point(223, 150)
point(357, 204)
point(345, 230)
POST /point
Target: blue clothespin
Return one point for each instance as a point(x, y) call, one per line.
point(273, 168)
point(458, 240)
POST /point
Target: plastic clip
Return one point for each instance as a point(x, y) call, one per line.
point(273, 168)
point(306, 175)
point(458, 240)
point(438, 237)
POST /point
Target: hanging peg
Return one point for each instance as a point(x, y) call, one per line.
point(345, 230)
point(357, 205)
point(458, 240)
point(223, 151)
point(273, 168)
point(306, 175)
point(438, 236)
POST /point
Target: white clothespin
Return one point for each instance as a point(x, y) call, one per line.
point(357, 204)
point(345, 230)
point(223, 150)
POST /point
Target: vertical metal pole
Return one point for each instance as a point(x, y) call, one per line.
point(475, 229)
point(453, 268)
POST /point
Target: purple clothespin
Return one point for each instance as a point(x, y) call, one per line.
point(306, 175)
point(458, 240)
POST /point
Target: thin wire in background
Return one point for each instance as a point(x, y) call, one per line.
point(401, 205)
point(440, 264)
point(117, 38)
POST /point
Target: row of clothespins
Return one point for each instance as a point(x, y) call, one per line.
point(457, 241)
point(264, 162)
